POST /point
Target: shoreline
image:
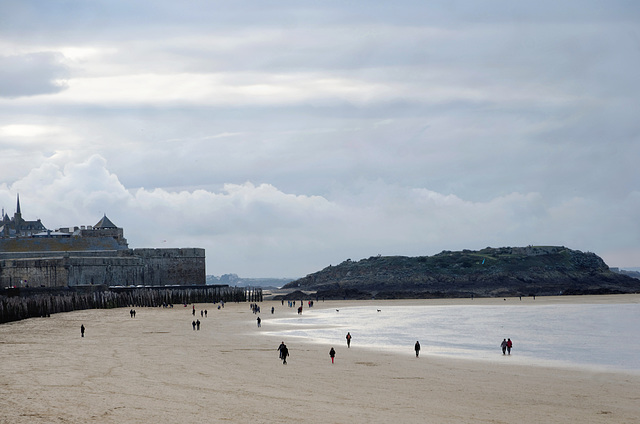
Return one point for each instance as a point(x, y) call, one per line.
point(516, 359)
point(155, 368)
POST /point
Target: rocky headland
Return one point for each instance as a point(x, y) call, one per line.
point(490, 272)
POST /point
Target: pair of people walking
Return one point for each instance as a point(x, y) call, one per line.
point(506, 346)
point(284, 352)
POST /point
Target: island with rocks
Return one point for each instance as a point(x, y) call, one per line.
point(489, 272)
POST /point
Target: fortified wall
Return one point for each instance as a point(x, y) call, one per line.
point(130, 267)
point(31, 255)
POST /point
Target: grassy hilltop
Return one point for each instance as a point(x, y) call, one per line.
point(490, 272)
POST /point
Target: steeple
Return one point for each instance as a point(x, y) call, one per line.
point(18, 207)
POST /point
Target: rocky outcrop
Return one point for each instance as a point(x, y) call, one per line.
point(490, 272)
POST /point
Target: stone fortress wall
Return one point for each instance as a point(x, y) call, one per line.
point(130, 267)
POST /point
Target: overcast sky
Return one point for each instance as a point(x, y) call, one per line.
point(284, 136)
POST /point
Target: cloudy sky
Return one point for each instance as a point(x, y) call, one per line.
point(284, 136)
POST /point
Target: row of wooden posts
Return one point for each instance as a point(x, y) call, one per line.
point(43, 304)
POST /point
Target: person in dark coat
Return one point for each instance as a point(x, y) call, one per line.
point(82, 330)
point(332, 353)
point(348, 339)
point(417, 348)
point(284, 352)
point(503, 345)
point(282, 345)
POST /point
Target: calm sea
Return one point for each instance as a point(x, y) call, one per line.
point(586, 335)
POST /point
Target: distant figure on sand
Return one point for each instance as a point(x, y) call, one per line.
point(503, 345)
point(82, 330)
point(282, 345)
point(198, 325)
point(509, 346)
point(417, 348)
point(348, 339)
point(284, 352)
point(332, 353)
point(259, 321)
point(193, 324)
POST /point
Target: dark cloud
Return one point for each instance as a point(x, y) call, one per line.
point(309, 132)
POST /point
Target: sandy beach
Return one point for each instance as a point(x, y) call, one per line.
point(155, 368)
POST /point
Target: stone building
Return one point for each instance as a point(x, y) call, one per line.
point(18, 227)
point(32, 255)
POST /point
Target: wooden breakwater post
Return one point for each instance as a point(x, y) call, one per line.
point(23, 303)
point(254, 294)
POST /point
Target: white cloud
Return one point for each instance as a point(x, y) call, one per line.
point(259, 229)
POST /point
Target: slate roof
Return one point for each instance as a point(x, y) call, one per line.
point(105, 223)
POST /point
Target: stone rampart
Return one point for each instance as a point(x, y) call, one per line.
point(131, 267)
point(59, 244)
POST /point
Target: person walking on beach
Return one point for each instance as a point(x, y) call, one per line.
point(417, 348)
point(82, 330)
point(348, 339)
point(198, 325)
point(259, 321)
point(284, 352)
point(503, 345)
point(332, 353)
point(193, 324)
point(282, 345)
point(509, 346)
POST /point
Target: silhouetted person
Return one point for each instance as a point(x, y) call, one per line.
point(509, 346)
point(417, 348)
point(193, 324)
point(332, 353)
point(348, 339)
point(284, 352)
point(198, 325)
point(259, 321)
point(282, 345)
point(82, 330)
point(503, 345)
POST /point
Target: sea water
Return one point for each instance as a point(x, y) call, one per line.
point(603, 336)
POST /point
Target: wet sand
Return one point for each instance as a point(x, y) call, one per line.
point(155, 369)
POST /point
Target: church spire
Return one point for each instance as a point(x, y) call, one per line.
point(18, 207)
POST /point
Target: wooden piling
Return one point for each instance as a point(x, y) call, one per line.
point(43, 303)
